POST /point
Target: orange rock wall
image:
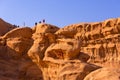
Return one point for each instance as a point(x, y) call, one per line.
point(51, 53)
point(101, 40)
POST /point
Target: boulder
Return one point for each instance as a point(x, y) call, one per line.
point(19, 39)
point(70, 31)
point(67, 70)
point(25, 32)
point(63, 49)
point(104, 74)
point(45, 28)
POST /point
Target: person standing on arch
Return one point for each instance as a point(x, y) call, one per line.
point(43, 21)
point(35, 23)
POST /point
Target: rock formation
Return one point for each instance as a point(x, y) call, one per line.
point(76, 52)
point(104, 74)
point(5, 27)
point(14, 61)
point(102, 40)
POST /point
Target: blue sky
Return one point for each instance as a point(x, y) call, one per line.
point(58, 12)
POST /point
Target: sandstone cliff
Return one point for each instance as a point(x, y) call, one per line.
point(5, 27)
point(82, 51)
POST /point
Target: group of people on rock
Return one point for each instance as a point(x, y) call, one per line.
point(16, 26)
point(43, 21)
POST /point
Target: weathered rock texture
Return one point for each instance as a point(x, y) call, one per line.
point(102, 40)
point(70, 53)
point(104, 74)
point(5, 27)
point(14, 61)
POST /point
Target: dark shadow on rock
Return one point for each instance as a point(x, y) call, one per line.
point(14, 66)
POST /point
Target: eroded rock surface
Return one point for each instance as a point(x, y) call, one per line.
point(101, 41)
point(74, 52)
point(104, 74)
point(67, 70)
point(65, 49)
point(5, 27)
point(14, 61)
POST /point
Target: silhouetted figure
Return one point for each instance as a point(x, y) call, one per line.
point(36, 23)
point(39, 21)
point(14, 25)
point(43, 20)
